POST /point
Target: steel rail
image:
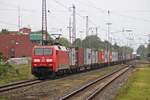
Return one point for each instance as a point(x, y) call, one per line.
point(18, 85)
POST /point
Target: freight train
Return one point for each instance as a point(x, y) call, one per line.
point(50, 61)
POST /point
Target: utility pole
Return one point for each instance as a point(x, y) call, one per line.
point(74, 24)
point(108, 33)
point(69, 27)
point(19, 19)
point(96, 31)
point(87, 26)
point(44, 23)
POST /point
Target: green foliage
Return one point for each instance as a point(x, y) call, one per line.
point(4, 31)
point(107, 45)
point(115, 47)
point(4, 69)
point(148, 50)
point(126, 49)
point(77, 43)
point(1, 57)
point(51, 40)
point(148, 47)
point(142, 51)
point(11, 73)
point(92, 42)
point(64, 42)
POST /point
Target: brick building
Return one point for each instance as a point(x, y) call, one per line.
point(14, 45)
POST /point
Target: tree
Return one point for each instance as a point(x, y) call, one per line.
point(142, 51)
point(64, 42)
point(50, 40)
point(126, 49)
point(77, 43)
point(148, 50)
point(92, 42)
point(4, 31)
point(108, 45)
point(115, 48)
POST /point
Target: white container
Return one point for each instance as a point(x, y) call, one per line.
point(106, 55)
point(72, 56)
point(114, 56)
point(96, 56)
point(93, 57)
point(87, 56)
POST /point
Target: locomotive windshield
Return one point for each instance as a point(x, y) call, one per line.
point(43, 51)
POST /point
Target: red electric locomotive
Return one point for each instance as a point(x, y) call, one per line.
point(47, 60)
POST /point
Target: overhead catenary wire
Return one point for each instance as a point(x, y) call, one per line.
point(15, 25)
point(104, 11)
point(13, 7)
point(131, 17)
point(77, 13)
point(9, 23)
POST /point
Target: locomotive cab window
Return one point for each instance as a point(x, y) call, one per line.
point(39, 51)
point(43, 51)
point(48, 51)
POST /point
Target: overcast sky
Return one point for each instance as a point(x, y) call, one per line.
point(124, 14)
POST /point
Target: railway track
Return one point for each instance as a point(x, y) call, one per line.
point(17, 85)
point(92, 89)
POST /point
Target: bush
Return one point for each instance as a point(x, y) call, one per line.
point(1, 57)
point(5, 68)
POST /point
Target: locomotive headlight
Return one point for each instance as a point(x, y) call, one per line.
point(36, 60)
point(49, 60)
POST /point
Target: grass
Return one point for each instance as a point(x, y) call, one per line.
point(138, 86)
point(16, 73)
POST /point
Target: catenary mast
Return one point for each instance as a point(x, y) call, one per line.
point(44, 23)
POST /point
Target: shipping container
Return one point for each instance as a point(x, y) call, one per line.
point(80, 56)
point(87, 56)
point(114, 56)
point(120, 56)
point(110, 56)
point(93, 57)
point(101, 57)
point(124, 56)
point(106, 56)
point(129, 56)
point(72, 56)
point(96, 55)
